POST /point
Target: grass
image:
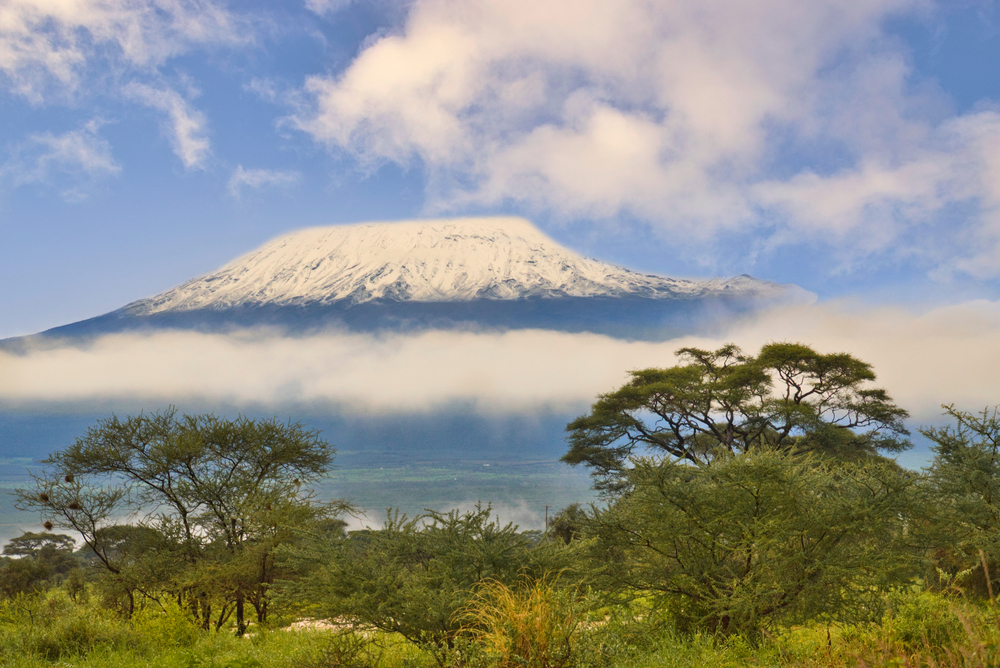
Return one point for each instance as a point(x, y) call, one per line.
point(534, 626)
point(51, 631)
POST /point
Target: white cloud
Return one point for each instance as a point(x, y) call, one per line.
point(259, 178)
point(62, 50)
point(186, 126)
point(326, 7)
point(693, 116)
point(80, 151)
point(264, 88)
point(48, 47)
point(948, 354)
point(72, 161)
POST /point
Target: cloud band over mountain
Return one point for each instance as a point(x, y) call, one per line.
point(925, 359)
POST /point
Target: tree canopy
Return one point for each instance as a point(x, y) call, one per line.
point(755, 537)
point(787, 397)
point(415, 575)
point(212, 494)
point(30, 544)
point(964, 487)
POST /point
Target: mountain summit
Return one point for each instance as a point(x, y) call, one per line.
point(469, 273)
point(423, 261)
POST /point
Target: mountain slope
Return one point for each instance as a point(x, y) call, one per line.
point(421, 261)
point(471, 273)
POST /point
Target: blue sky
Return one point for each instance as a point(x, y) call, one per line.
point(849, 146)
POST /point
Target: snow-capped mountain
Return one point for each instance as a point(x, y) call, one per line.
point(495, 273)
point(423, 261)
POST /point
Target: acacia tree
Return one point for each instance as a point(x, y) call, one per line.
point(756, 537)
point(207, 491)
point(38, 558)
point(964, 479)
point(38, 545)
point(787, 397)
point(415, 575)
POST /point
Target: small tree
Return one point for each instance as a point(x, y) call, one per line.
point(724, 402)
point(964, 483)
point(23, 576)
point(203, 493)
point(35, 545)
point(757, 536)
point(415, 576)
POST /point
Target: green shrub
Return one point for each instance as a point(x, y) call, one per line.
point(924, 618)
point(166, 627)
point(413, 576)
point(52, 630)
point(756, 539)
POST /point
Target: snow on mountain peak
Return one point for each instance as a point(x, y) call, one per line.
point(426, 261)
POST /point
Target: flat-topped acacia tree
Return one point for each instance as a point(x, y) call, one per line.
point(209, 500)
point(787, 397)
point(745, 489)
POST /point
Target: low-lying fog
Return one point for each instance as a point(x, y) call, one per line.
point(944, 355)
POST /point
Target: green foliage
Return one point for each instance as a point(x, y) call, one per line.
point(922, 618)
point(923, 628)
point(415, 575)
point(964, 486)
point(38, 545)
point(41, 559)
point(764, 530)
point(210, 501)
point(76, 586)
point(787, 397)
point(51, 628)
point(24, 576)
point(568, 524)
point(756, 537)
point(348, 649)
point(918, 630)
point(47, 630)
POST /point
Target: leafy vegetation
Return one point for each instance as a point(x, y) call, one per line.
point(756, 537)
point(725, 402)
point(415, 576)
point(211, 501)
point(748, 517)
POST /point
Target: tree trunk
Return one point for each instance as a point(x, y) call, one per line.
point(206, 614)
point(241, 628)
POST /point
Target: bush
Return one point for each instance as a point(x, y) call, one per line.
point(52, 629)
point(413, 576)
point(736, 545)
point(24, 576)
point(166, 627)
point(924, 618)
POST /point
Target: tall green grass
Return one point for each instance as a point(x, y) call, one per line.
point(533, 626)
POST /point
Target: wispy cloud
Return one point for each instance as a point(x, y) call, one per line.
point(326, 7)
point(943, 355)
point(185, 125)
point(709, 121)
point(81, 155)
point(47, 48)
point(264, 88)
point(64, 52)
point(260, 178)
